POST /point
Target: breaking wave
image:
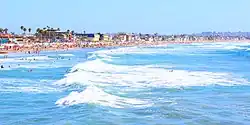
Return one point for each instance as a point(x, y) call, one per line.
point(99, 73)
point(94, 95)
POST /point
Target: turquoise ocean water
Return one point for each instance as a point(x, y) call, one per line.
point(195, 84)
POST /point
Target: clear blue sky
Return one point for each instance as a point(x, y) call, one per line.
point(146, 16)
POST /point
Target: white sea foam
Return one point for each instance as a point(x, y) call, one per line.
point(234, 47)
point(37, 58)
point(225, 45)
point(31, 66)
point(94, 95)
point(216, 46)
point(129, 50)
point(66, 55)
point(32, 89)
point(26, 85)
point(103, 74)
point(38, 66)
point(222, 44)
point(102, 54)
point(25, 59)
point(192, 49)
point(11, 60)
point(93, 56)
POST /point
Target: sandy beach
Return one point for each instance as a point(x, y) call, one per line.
point(37, 48)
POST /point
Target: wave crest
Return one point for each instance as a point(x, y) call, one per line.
point(97, 72)
point(94, 95)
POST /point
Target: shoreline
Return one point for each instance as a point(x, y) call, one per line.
point(63, 47)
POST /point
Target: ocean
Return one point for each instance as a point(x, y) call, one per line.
point(191, 84)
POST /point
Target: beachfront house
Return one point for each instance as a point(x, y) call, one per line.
point(92, 37)
point(52, 35)
point(4, 41)
point(124, 37)
point(104, 37)
point(121, 37)
point(19, 39)
point(5, 38)
point(9, 41)
point(114, 37)
point(129, 37)
point(96, 37)
point(144, 37)
point(60, 35)
point(151, 39)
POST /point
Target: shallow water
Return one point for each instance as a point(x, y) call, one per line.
point(196, 84)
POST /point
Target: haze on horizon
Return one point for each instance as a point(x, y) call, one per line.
point(146, 16)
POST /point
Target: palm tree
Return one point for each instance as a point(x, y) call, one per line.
point(45, 31)
point(29, 30)
point(38, 30)
point(6, 30)
point(41, 32)
point(22, 27)
point(24, 30)
point(72, 32)
point(67, 34)
point(1, 30)
point(49, 29)
point(53, 32)
point(155, 34)
point(68, 31)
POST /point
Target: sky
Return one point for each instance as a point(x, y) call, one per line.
point(138, 16)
